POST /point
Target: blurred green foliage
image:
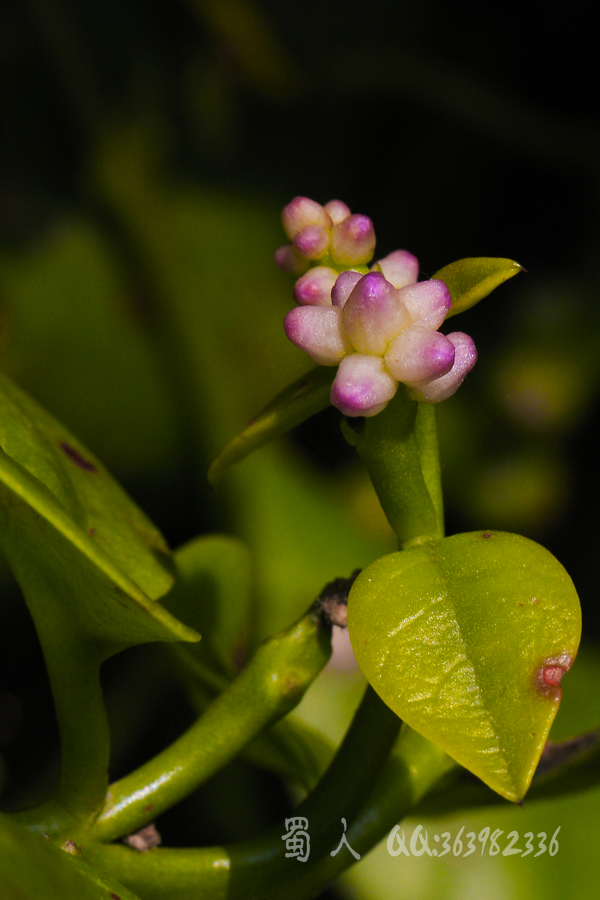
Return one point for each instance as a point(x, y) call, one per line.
point(146, 152)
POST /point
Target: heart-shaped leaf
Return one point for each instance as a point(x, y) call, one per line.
point(466, 639)
point(470, 280)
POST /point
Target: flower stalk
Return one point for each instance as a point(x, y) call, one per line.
point(272, 684)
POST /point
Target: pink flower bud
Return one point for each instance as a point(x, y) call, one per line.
point(337, 210)
point(418, 355)
point(361, 386)
point(301, 213)
point(400, 268)
point(344, 286)
point(288, 259)
point(428, 302)
point(312, 242)
point(465, 357)
point(317, 330)
point(374, 314)
point(314, 288)
point(352, 241)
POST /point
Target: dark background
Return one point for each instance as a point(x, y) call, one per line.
point(461, 129)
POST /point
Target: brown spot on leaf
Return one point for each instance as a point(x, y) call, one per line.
point(77, 458)
point(300, 390)
point(486, 534)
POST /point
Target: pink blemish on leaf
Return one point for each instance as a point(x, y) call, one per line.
point(552, 675)
point(77, 458)
point(548, 676)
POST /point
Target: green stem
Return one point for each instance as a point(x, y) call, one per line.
point(399, 448)
point(340, 794)
point(242, 871)
point(411, 771)
point(74, 674)
point(84, 733)
point(271, 685)
point(427, 442)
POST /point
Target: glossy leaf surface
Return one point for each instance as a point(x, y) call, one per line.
point(466, 638)
point(470, 280)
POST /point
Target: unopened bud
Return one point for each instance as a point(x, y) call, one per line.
point(289, 260)
point(317, 330)
point(301, 213)
point(361, 386)
point(374, 314)
point(314, 288)
point(352, 241)
point(400, 268)
point(312, 242)
point(344, 286)
point(465, 357)
point(337, 210)
point(419, 355)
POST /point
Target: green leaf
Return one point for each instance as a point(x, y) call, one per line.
point(90, 566)
point(470, 280)
point(51, 483)
point(213, 595)
point(33, 867)
point(464, 638)
point(307, 396)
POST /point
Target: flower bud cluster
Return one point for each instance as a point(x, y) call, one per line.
point(330, 231)
point(379, 326)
